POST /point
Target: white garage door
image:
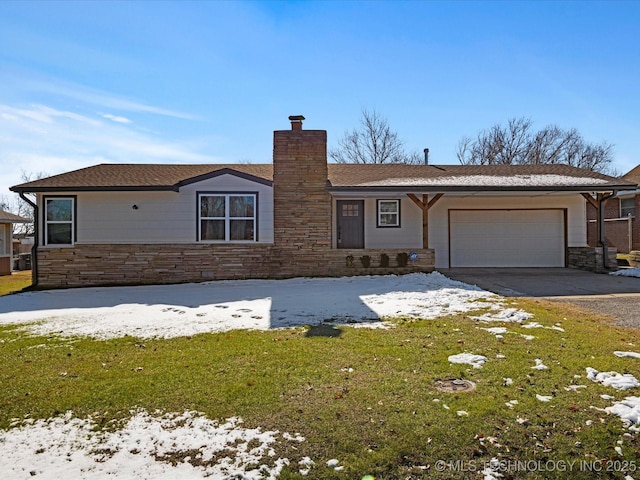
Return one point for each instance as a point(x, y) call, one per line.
point(506, 238)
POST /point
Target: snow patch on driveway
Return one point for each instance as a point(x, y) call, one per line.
point(627, 272)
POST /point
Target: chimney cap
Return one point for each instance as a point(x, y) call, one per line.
point(296, 122)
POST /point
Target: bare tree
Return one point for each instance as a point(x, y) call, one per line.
point(518, 144)
point(373, 142)
point(19, 207)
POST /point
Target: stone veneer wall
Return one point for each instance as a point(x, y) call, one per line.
point(590, 258)
point(89, 265)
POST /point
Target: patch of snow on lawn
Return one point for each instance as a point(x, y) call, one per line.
point(305, 466)
point(538, 325)
point(491, 471)
point(166, 311)
point(539, 365)
point(476, 360)
point(496, 330)
point(629, 411)
point(627, 354)
point(613, 379)
point(544, 398)
point(574, 388)
point(627, 272)
point(507, 315)
point(532, 325)
point(147, 446)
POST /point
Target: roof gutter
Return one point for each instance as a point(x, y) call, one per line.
point(36, 236)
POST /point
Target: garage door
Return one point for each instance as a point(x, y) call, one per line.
point(506, 238)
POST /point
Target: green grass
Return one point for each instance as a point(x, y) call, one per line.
point(15, 282)
point(380, 419)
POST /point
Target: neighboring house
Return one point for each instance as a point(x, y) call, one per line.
point(621, 217)
point(299, 216)
point(6, 240)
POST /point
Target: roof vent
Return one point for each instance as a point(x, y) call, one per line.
point(296, 122)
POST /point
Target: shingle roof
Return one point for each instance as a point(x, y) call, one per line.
point(341, 177)
point(141, 176)
point(467, 177)
point(6, 217)
point(633, 175)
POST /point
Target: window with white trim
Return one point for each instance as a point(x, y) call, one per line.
point(388, 213)
point(227, 217)
point(627, 207)
point(59, 220)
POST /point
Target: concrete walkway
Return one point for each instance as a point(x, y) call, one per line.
point(618, 297)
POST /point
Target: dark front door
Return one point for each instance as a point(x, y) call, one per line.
point(350, 223)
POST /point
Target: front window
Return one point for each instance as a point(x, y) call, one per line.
point(59, 221)
point(627, 207)
point(388, 213)
point(227, 217)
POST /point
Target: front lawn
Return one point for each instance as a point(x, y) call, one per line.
point(15, 282)
point(364, 398)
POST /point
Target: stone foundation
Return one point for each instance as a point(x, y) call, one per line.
point(92, 265)
point(590, 258)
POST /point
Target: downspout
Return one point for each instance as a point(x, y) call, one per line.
point(36, 236)
point(602, 239)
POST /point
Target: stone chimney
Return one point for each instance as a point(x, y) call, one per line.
point(301, 202)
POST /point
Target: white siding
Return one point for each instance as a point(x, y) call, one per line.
point(6, 248)
point(439, 216)
point(408, 235)
point(161, 217)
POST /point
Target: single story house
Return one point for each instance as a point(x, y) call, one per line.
point(621, 224)
point(6, 239)
point(300, 216)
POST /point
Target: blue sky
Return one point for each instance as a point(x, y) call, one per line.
point(83, 83)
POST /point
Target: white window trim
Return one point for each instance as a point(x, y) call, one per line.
point(72, 222)
point(379, 212)
point(227, 218)
point(633, 215)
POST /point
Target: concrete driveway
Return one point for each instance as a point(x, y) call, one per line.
point(618, 297)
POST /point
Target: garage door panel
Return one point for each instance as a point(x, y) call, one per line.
point(506, 238)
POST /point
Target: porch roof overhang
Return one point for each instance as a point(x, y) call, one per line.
point(7, 217)
point(476, 190)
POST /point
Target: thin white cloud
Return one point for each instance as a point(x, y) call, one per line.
point(39, 138)
point(116, 118)
point(101, 98)
point(42, 114)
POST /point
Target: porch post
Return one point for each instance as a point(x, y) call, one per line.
point(425, 205)
point(425, 221)
point(594, 203)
